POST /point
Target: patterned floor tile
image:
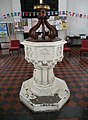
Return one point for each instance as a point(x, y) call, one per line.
point(14, 70)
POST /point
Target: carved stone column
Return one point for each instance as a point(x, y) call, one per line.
point(44, 91)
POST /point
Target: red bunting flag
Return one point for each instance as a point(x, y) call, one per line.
point(4, 16)
point(72, 14)
point(26, 13)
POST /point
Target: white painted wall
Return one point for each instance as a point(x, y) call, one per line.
point(5, 8)
point(14, 6)
point(17, 8)
point(10, 6)
point(62, 7)
point(77, 25)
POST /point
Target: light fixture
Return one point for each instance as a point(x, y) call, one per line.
point(42, 6)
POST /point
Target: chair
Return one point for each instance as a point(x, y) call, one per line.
point(15, 45)
point(67, 49)
point(84, 47)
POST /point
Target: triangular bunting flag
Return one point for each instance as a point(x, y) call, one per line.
point(8, 15)
point(15, 13)
point(66, 12)
point(4, 16)
point(56, 13)
point(19, 14)
point(84, 16)
point(33, 13)
point(63, 13)
point(48, 13)
point(52, 13)
point(29, 13)
point(22, 13)
point(37, 13)
point(80, 15)
point(12, 14)
point(26, 13)
point(77, 15)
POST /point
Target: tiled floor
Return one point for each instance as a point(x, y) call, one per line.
point(15, 69)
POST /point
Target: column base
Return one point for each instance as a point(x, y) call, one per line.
point(44, 103)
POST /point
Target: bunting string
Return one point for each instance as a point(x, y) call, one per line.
point(36, 14)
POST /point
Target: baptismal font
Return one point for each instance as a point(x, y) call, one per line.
point(44, 91)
